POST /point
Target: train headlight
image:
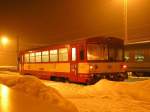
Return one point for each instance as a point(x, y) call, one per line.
point(91, 67)
point(124, 66)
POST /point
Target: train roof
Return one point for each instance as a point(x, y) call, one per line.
point(100, 39)
point(140, 44)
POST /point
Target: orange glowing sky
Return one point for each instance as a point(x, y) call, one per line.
point(40, 22)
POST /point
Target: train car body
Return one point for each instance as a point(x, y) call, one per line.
point(137, 56)
point(81, 61)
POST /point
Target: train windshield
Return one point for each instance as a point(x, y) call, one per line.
point(104, 52)
point(115, 53)
point(97, 52)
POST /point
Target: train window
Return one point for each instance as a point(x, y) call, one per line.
point(63, 54)
point(45, 56)
point(97, 52)
point(26, 58)
point(38, 57)
point(139, 56)
point(53, 55)
point(81, 53)
point(119, 54)
point(115, 54)
point(32, 57)
point(73, 54)
point(146, 54)
point(127, 57)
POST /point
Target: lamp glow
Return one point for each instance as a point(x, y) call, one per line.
point(4, 40)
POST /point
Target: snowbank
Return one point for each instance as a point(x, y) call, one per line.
point(34, 87)
point(136, 90)
point(9, 80)
point(139, 90)
point(109, 96)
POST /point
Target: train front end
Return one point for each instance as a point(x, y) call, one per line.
point(105, 60)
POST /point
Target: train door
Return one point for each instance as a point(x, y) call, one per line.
point(74, 63)
point(21, 61)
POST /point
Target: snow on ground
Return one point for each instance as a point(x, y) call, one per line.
point(32, 86)
point(133, 78)
point(104, 96)
point(9, 78)
point(107, 96)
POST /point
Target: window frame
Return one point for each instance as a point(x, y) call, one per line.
point(45, 55)
point(37, 56)
point(105, 60)
point(32, 56)
point(53, 54)
point(25, 58)
point(63, 55)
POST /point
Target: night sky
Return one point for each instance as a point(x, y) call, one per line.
point(41, 22)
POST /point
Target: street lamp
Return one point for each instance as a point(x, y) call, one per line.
point(125, 21)
point(4, 40)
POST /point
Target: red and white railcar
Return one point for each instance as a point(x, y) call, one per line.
point(81, 61)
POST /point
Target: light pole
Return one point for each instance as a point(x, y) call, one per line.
point(5, 40)
point(17, 52)
point(125, 21)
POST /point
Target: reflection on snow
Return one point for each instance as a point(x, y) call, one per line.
point(4, 98)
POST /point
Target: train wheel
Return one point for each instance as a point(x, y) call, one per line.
point(139, 74)
point(62, 79)
point(121, 77)
point(52, 78)
point(59, 79)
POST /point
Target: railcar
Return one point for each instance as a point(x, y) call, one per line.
point(137, 56)
point(81, 61)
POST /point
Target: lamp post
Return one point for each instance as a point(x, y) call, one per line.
point(125, 21)
point(17, 52)
point(5, 40)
